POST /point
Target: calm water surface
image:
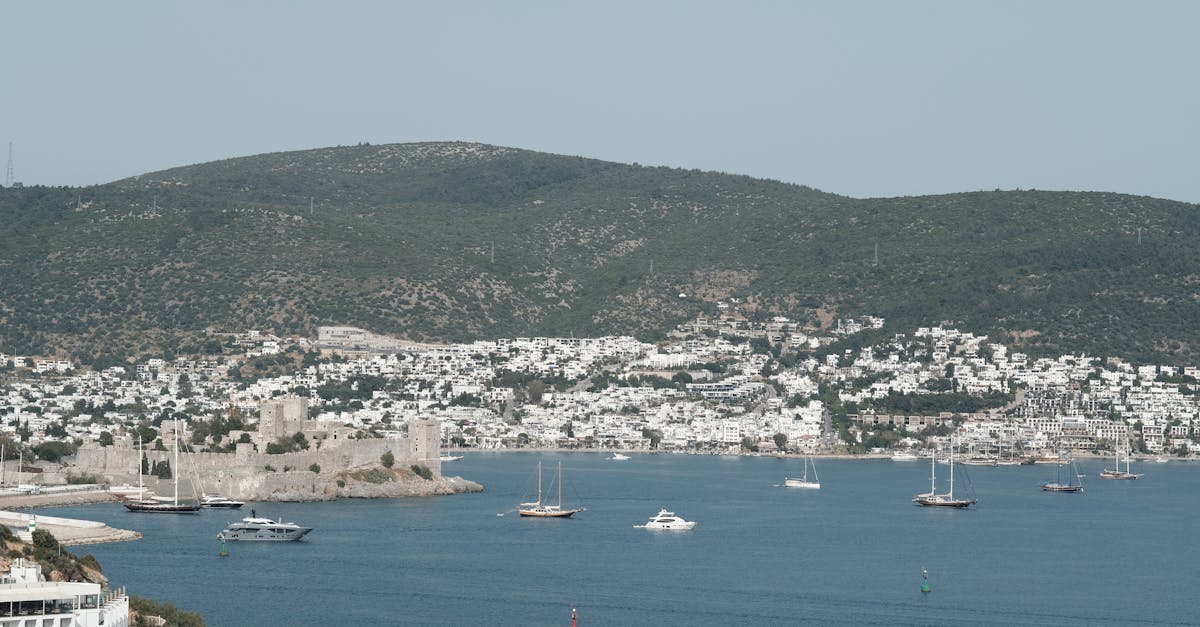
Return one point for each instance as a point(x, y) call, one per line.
point(1121, 553)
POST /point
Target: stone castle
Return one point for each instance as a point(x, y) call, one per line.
point(250, 473)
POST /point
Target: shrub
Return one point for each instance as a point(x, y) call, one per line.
point(387, 459)
point(315, 468)
point(269, 468)
point(82, 478)
point(422, 471)
point(341, 484)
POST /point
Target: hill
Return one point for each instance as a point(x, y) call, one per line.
point(453, 241)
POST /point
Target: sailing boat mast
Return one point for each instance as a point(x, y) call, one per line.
point(559, 485)
point(539, 498)
point(175, 464)
point(951, 466)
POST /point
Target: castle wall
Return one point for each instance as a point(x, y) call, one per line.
point(243, 474)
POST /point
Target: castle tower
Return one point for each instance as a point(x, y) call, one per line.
point(425, 443)
point(281, 417)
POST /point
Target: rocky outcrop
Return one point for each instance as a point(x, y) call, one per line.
point(368, 483)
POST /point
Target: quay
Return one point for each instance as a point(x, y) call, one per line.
point(68, 531)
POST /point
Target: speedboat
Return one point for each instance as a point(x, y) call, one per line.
point(216, 500)
point(263, 529)
point(618, 457)
point(450, 458)
point(668, 521)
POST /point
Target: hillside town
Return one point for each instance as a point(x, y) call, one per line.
point(718, 385)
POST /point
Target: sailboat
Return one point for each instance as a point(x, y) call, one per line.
point(946, 499)
point(163, 506)
point(804, 482)
point(537, 509)
point(1117, 473)
point(1073, 483)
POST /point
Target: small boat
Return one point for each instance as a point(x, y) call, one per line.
point(1162, 459)
point(1073, 483)
point(946, 499)
point(537, 509)
point(262, 530)
point(450, 458)
point(904, 456)
point(618, 457)
point(981, 460)
point(805, 482)
point(666, 520)
point(216, 500)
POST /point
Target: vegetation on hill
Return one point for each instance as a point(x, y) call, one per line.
point(455, 241)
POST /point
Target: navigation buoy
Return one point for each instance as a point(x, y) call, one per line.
point(573, 617)
point(925, 581)
point(224, 552)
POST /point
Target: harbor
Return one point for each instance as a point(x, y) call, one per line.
point(851, 552)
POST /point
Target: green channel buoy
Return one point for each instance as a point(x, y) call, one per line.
point(224, 551)
point(925, 581)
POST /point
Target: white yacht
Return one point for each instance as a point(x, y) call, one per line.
point(904, 456)
point(216, 500)
point(667, 520)
point(618, 457)
point(263, 529)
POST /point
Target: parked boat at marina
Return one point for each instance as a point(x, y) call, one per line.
point(262, 530)
point(218, 501)
point(151, 504)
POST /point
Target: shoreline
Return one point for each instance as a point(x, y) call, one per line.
point(849, 456)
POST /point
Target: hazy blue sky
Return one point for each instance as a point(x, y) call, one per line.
point(880, 98)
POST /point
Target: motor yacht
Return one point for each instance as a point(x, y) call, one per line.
point(262, 529)
point(667, 520)
point(216, 500)
point(618, 457)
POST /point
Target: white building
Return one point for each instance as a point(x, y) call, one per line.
point(28, 601)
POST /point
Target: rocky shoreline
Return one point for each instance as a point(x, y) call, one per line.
point(386, 485)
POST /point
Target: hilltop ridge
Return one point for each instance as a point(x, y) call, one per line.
point(454, 240)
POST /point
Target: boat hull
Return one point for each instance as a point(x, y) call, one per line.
point(1056, 487)
point(800, 483)
point(263, 535)
point(560, 513)
point(942, 501)
point(160, 508)
point(1119, 475)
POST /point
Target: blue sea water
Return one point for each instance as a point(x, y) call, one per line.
point(1121, 553)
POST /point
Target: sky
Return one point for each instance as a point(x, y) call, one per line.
point(860, 98)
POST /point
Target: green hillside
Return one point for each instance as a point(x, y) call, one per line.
point(399, 239)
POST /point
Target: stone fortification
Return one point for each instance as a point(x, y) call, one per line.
point(254, 475)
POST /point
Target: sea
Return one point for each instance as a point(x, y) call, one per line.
point(852, 553)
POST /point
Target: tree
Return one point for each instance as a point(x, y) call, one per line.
point(781, 441)
point(387, 459)
point(654, 435)
point(106, 438)
point(536, 389)
point(748, 444)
